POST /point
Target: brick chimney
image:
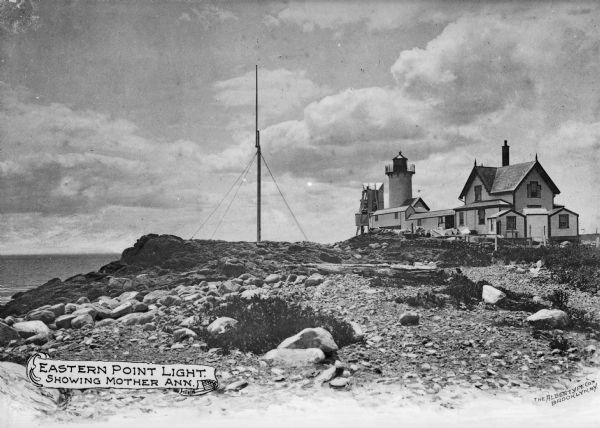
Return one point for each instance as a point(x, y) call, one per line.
point(505, 154)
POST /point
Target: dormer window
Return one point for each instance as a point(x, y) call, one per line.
point(477, 193)
point(534, 190)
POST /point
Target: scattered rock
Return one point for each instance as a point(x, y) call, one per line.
point(154, 295)
point(272, 278)
point(236, 386)
point(64, 321)
point(81, 321)
point(311, 338)
point(221, 325)
point(128, 295)
point(82, 300)
point(357, 331)
point(339, 383)
point(548, 319)
point(491, 295)
point(314, 279)
point(46, 316)
point(169, 300)
point(123, 309)
point(409, 318)
point(183, 334)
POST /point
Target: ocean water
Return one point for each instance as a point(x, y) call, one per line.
point(22, 272)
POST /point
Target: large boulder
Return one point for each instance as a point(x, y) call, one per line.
point(295, 357)
point(154, 250)
point(491, 295)
point(123, 309)
point(7, 333)
point(548, 319)
point(221, 325)
point(231, 268)
point(314, 279)
point(82, 321)
point(58, 309)
point(64, 321)
point(272, 278)
point(228, 287)
point(45, 315)
point(31, 328)
point(311, 338)
point(137, 318)
point(128, 295)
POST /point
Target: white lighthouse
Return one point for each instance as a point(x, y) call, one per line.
point(400, 180)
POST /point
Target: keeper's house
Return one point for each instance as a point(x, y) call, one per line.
point(513, 201)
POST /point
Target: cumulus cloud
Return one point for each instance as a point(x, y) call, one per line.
point(56, 160)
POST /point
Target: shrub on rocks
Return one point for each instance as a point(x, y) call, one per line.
point(264, 323)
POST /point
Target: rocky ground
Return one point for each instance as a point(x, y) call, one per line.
point(404, 320)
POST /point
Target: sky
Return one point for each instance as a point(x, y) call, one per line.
point(122, 118)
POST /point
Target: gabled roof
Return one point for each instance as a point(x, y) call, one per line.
point(503, 213)
point(559, 209)
point(509, 177)
point(506, 178)
point(485, 173)
point(490, 203)
point(413, 201)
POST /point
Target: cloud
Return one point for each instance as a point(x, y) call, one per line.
point(59, 161)
point(282, 92)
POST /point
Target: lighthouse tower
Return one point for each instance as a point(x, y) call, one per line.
point(400, 180)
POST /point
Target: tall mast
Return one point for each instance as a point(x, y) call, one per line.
point(258, 162)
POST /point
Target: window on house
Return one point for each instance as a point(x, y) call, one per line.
point(461, 218)
point(511, 222)
point(440, 221)
point(396, 216)
point(534, 190)
point(419, 222)
point(563, 221)
point(481, 216)
point(376, 218)
point(477, 193)
point(492, 225)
